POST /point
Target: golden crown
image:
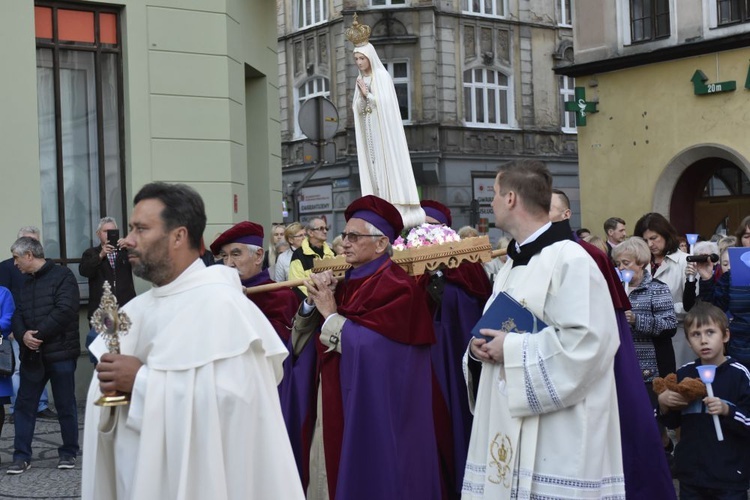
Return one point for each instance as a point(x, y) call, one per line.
point(358, 34)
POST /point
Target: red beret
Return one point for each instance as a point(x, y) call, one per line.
point(246, 232)
point(437, 211)
point(377, 212)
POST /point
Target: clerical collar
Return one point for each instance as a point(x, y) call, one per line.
point(367, 269)
point(544, 237)
point(258, 279)
point(534, 235)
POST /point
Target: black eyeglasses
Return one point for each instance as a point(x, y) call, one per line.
point(321, 228)
point(353, 237)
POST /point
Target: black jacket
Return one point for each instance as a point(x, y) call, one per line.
point(700, 459)
point(97, 270)
point(49, 302)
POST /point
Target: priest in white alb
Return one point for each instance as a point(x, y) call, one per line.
point(546, 420)
point(200, 363)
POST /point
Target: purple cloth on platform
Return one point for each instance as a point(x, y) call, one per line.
point(647, 473)
point(453, 322)
point(388, 447)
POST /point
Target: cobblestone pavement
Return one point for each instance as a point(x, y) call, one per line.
point(43, 480)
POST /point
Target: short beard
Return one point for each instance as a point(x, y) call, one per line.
point(157, 272)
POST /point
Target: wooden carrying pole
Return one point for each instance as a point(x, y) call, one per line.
point(319, 268)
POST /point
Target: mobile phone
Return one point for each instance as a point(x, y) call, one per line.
point(113, 235)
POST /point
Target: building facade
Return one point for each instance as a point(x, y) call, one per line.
point(475, 86)
point(671, 80)
point(101, 98)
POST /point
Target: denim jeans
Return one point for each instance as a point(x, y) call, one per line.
point(16, 379)
point(61, 375)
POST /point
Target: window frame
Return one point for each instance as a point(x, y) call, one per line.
point(300, 14)
point(567, 88)
point(501, 4)
point(299, 100)
point(400, 81)
point(566, 13)
point(744, 12)
point(98, 49)
point(487, 87)
point(653, 21)
point(389, 4)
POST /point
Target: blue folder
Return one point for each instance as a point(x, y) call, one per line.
point(506, 313)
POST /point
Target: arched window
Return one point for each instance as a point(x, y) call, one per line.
point(314, 87)
point(487, 98)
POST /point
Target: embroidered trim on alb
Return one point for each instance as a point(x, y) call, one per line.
point(548, 384)
point(531, 397)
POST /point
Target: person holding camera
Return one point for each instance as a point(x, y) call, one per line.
point(701, 266)
point(106, 262)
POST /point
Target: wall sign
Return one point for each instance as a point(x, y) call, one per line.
point(700, 87)
point(580, 106)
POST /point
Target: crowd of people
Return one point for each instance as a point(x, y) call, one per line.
point(371, 385)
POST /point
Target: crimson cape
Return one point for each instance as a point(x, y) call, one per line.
point(378, 427)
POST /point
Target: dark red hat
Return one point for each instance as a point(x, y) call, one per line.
point(437, 211)
point(377, 212)
point(246, 232)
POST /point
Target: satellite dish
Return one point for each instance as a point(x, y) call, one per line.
point(318, 119)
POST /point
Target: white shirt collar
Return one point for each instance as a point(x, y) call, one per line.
point(534, 236)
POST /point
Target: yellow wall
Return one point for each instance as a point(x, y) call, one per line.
point(648, 118)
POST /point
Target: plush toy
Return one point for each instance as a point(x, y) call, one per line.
point(689, 388)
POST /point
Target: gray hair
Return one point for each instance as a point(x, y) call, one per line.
point(635, 246)
point(253, 248)
point(705, 248)
point(310, 226)
point(377, 232)
point(28, 231)
point(105, 220)
point(27, 244)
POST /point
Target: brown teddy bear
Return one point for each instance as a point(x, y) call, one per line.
point(689, 388)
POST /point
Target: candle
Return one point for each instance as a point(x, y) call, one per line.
point(707, 373)
point(626, 275)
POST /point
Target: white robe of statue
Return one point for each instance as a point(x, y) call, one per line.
point(546, 422)
point(205, 420)
point(384, 163)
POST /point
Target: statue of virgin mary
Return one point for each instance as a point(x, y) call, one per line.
point(384, 164)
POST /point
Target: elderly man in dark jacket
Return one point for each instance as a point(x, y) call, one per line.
point(46, 326)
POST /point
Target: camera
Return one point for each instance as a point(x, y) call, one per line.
point(703, 258)
point(113, 236)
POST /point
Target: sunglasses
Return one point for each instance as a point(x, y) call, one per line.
point(321, 228)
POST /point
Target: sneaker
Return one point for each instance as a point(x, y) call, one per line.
point(18, 467)
point(66, 463)
point(47, 414)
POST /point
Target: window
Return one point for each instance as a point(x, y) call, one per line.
point(387, 3)
point(567, 93)
point(80, 113)
point(566, 15)
point(649, 20)
point(310, 12)
point(400, 73)
point(487, 98)
point(494, 8)
point(733, 11)
point(314, 87)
